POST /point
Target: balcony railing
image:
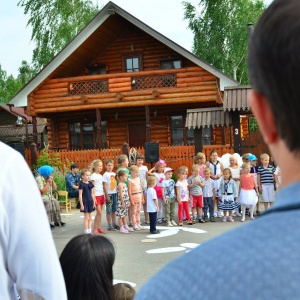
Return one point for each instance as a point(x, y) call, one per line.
point(88, 87)
point(153, 81)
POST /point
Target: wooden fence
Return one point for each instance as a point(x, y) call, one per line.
point(175, 156)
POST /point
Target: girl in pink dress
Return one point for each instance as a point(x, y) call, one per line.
point(248, 194)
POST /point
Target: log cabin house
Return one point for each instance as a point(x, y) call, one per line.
point(121, 81)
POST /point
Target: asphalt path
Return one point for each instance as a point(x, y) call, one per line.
point(139, 254)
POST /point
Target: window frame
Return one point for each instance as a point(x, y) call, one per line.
point(171, 60)
point(185, 132)
point(132, 55)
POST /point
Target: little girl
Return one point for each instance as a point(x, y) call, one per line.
point(123, 201)
point(135, 195)
point(158, 172)
point(182, 195)
point(227, 195)
point(200, 160)
point(248, 191)
point(235, 173)
point(216, 168)
point(96, 178)
point(87, 200)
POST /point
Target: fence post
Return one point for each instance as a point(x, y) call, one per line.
point(125, 149)
point(33, 155)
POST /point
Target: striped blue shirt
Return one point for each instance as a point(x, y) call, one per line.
point(266, 174)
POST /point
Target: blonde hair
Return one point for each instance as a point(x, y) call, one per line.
point(109, 161)
point(133, 168)
point(264, 155)
point(151, 181)
point(198, 156)
point(95, 163)
point(207, 170)
point(196, 168)
point(120, 174)
point(123, 291)
point(245, 164)
point(182, 170)
point(121, 159)
point(245, 156)
point(235, 159)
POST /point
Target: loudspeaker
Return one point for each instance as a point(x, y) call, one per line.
point(20, 147)
point(151, 152)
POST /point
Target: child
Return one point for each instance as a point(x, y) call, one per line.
point(168, 192)
point(182, 194)
point(278, 178)
point(135, 195)
point(123, 165)
point(248, 191)
point(200, 160)
point(209, 195)
point(123, 201)
point(143, 170)
point(123, 291)
point(265, 179)
point(195, 185)
point(152, 204)
point(87, 199)
point(253, 170)
point(235, 172)
point(158, 172)
point(227, 195)
point(96, 179)
point(216, 168)
point(110, 191)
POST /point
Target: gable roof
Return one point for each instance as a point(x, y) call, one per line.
point(109, 15)
point(15, 111)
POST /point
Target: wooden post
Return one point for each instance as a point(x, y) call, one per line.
point(148, 125)
point(125, 148)
point(33, 151)
point(34, 130)
point(198, 140)
point(223, 135)
point(237, 141)
point(99, 129)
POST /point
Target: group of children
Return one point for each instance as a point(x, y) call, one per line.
point(212, 190)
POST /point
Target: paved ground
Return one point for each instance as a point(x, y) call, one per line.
point(133, 263)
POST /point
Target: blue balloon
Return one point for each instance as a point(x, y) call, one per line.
point(45, 171)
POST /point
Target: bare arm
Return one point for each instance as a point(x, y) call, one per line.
point(130, 190)
point(178, 194)
point(151, 171)
point(80, 200)
point(120, 190)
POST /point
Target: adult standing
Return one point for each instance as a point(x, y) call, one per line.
point(28, 259)
point(263, 262)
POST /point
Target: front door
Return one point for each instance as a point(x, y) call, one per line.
point(137, 134)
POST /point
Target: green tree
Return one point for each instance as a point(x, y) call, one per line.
point(220, 32)
point(54, 23)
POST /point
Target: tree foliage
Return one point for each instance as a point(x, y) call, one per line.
point(54, 23)
point(220, 32)
point(9, 85)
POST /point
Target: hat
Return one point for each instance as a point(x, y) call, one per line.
point(167, 169)
point(252, 157)
point(45, 171)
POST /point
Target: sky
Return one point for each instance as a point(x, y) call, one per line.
point(15, 36)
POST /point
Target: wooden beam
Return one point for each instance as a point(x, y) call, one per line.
point(99, 129)
point(148, 132)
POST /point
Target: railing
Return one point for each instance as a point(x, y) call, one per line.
point(154, 81)
point(175, 156)
point(88, 87)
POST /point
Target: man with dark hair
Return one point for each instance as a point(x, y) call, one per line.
point(72, 185)
point(259, 260)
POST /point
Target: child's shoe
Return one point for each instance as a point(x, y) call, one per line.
point(101, 230)
point(224, 219)
point(252, 218)
point(238, 214)
point(180, 223)
point(123, 230)
point(96, 231)
point(194, 220)
point(174, 223)
point(206, 219)
point(169, 224)
point(136, 228)
point(111, 228)
point(258, 212)
point(190, 222)
point(212, 219)
point(141, 227)
point(243, 220)
point(128, 228)
point(159, 220)
point(117, 227)
point(201, 220)
point(230, 219)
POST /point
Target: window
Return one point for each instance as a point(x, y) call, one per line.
point(170, 64)
point(180, 134)
point(97, 69)
point(83, 135)
point(133, 63)
point(206, 135)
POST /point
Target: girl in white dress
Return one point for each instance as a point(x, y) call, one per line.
point(235, 173)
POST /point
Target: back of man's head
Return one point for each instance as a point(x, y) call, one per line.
point(274, 66)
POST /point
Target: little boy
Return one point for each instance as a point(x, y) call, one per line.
point(209, 195)
point(110, 191)
point(168, 192)
point(152, 204)
point(195, 185)
point(265, 179)
point(143, 170)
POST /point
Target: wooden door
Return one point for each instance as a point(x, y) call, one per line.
point(137, 134)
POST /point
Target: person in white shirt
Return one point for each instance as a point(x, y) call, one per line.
point(29, 264)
